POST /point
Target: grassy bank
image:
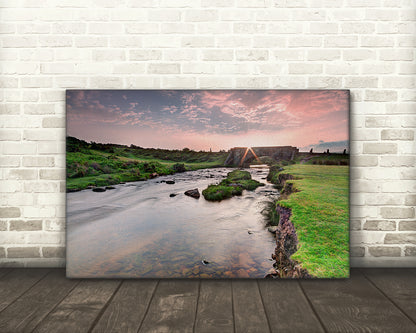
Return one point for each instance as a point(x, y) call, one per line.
point(319, 204)
point(92, 164)
point(234, 184)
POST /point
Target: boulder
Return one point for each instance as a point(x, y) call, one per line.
point(272, 229)
point(98, 189)
point(193, 193)
point(170, 182)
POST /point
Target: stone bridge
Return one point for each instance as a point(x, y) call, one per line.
point(243, 156)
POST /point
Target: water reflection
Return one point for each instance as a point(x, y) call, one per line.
point(138, 230)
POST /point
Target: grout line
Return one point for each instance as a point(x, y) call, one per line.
point(312, 307)
point(148, 306)
point(264, 308)
point(386, 296)
point(100, 314)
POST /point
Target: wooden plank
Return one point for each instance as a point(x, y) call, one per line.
point(78, 311)
point(215, 308)
point(29, 310)
point(287, 308)
point(128, 307)
point(399, 285)
point(173, 307)
point(249, 313)
point(354, 305)
point(17, 282)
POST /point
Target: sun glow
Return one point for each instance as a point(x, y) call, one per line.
point(245, 154)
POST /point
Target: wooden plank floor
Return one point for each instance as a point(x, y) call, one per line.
point(43, 300)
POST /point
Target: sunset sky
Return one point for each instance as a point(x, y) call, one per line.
point(216, 119)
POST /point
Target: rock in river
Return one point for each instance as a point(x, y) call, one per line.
point(98, 189)
point(193, 193)
point(110, 188)
point(272, 229)
point(173, 195)
point(170, 182)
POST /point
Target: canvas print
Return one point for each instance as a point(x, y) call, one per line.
point(207, 183)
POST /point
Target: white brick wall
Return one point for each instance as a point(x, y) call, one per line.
point(365, 46)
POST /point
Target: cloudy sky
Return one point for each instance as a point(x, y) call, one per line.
point(217, 119)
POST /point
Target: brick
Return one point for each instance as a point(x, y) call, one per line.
point(41, 187)
point(162, 41)
point(341, 69)
point(410, 251)
point(55, 41)
point(359, 54)
point(9, 161)
point(384, 251)
point(265, 42)
point(397, 212)
point(252, 55)
point(396, 54)
point(393, 134)
point(217, 28)
point(164, 15)
point(19, 41)
point(379, 148)
point(21, 148)
point(324, 54)
point(198, 68)
point(53, 122)
point(55, 225)
point(341, 41)
point(252, 82)
point(106, 28)
point(195, 15)
point(215, 82)
point(52, 174)
point(249, 28)
point(30, 225)
point(10, 135)
point(378, 68)
point(53, 252)
point(109, 55)
point(118, 41)
point(39, 135)
point(38, 161)
point(400, 238)
point(287, 55)
point(2, 252)
point(90, 41)
point(357, 251)
point(163, 68)
point(218, 55)
point(357, 28)
point(142, 28)
point(361, 82)
point(397, 161)
point(200, 41)
point(9, 109)
point(177, 28)
point(9, 212)
point(23, 252)
point(39, 109)
point(305, 68)
point(285, 28)
point(144, 55)
point(22, 174)
point(410, 200)
point(129, 68)
point(305, 41)
point(380, 225)
point(107, 82)
point(407, 225)
point(325, 82)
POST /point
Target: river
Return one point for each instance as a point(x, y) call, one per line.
point(138, 230)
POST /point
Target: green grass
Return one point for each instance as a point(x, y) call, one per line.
point(320, 216)
point(234, 184)
point(107, 164)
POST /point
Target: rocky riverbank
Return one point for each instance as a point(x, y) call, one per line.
point(286, 237)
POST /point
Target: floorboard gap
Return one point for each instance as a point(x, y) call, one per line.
point(148, 306)
point(312, 307)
